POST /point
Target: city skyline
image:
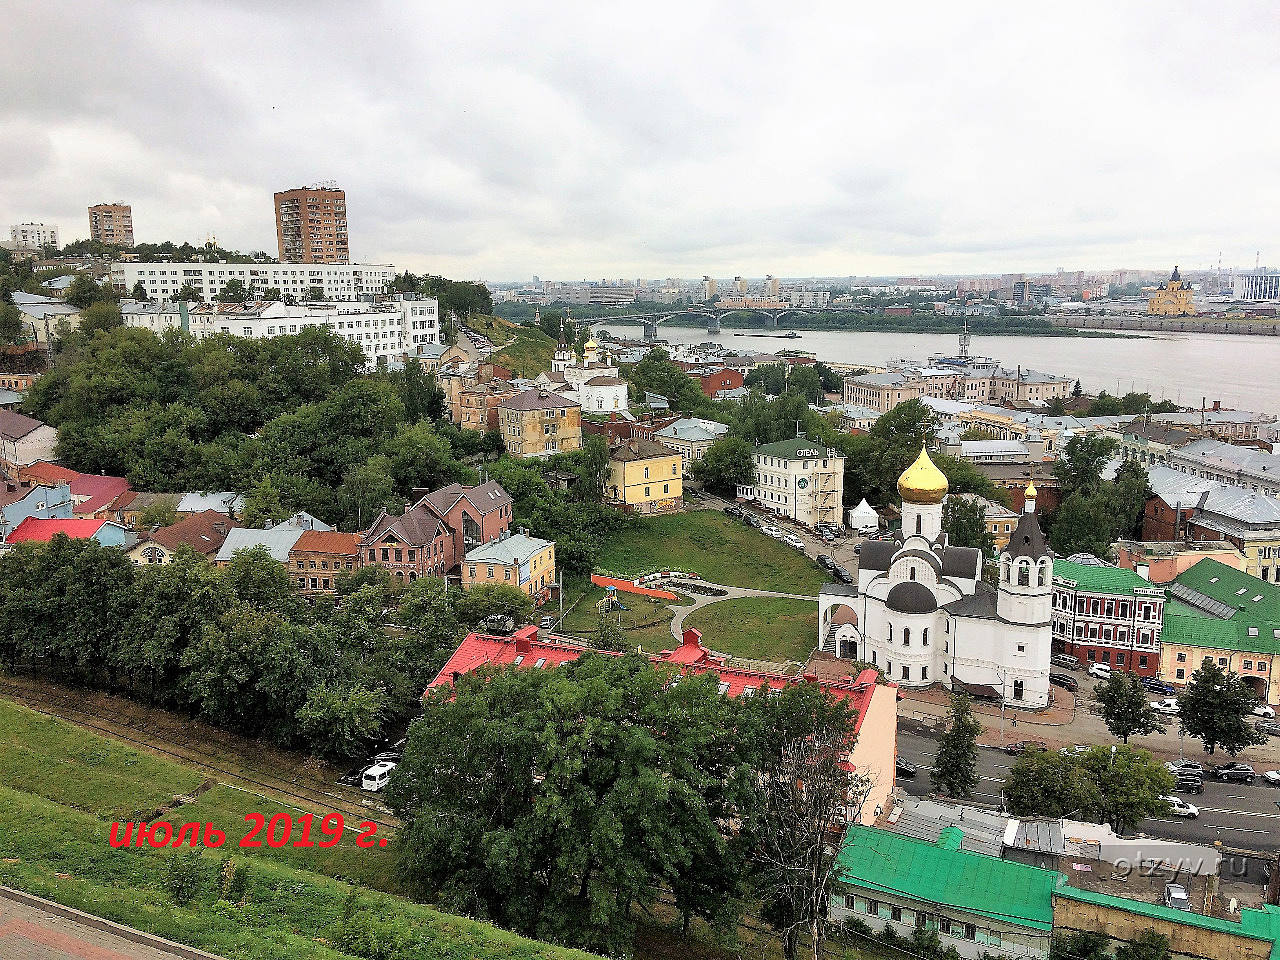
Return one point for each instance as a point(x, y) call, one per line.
point(500, 143)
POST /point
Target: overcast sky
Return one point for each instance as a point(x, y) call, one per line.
point(499, 141)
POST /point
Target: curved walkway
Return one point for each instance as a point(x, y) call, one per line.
point(730, 593)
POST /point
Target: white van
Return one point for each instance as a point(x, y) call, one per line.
point(375, 778)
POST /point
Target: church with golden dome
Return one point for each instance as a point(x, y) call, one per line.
point(923, 614)
point(1173, 299)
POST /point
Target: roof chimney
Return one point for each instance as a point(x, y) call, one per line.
point(524, 638)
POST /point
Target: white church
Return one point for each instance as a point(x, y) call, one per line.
point(594, 384)
point(922, 613)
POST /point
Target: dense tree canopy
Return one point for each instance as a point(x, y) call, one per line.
point(1216, 706)
point(1121, 786)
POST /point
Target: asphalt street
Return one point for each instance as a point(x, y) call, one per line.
point(1239, 816)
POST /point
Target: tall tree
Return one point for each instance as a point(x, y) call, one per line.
point(1081, 461)
point(728, 463)
point(233, 291)
point(965, 523)
point(1215, 707)
point(955, 768)
point(1125, 707)
point(140, 292)
point(1120, 786)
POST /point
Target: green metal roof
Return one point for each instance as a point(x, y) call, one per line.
point(798, 448)
point(1261, 924)
point(1186, 625)
point(1101, 579)
point(1235, 588)
point(886, 862)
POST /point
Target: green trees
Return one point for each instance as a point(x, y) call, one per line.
point(84, 291)
point(955, 768)
point(1095, 512)
point(726, 463)
point(189, 294)
point(139, 292)
point(965, 524)
point(234, 646)
point(656, 373)
point(551, 801)
point(1125, 707)
point(1215, 707)
point(1120, 786)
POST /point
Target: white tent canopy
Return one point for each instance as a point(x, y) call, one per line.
point(863, 518)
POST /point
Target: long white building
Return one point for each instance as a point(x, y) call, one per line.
point(340, 282)
point(33, 236)
point(389, 331)
point(1256, 286)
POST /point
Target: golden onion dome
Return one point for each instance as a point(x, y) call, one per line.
point(1031, 491)
point(922, 482)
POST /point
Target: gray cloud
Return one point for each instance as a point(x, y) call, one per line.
point(569, 140)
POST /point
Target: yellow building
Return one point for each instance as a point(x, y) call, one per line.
point(1173, 299)
point(540, 423)
point(645, 477)
point(999, 518)
point(520, 561)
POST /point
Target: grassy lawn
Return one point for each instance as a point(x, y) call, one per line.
point(715, 547)
point(528, 353)
point(62, 786)
point(759, 628)
point(645, 622)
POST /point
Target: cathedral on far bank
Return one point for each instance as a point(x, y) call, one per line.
point(922, 613)
point(1173, 299)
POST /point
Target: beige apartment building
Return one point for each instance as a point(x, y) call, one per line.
point(540, 423)
point(111, 223)
point(311, 224)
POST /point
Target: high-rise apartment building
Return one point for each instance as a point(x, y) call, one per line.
point(311, 224)
point(111, 223)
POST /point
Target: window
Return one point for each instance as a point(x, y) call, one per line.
point(1222, 661)
point(1120, 658)
point(1181, 674)
point(646, 491)
point(912, 573)
point(924, 637)
point(924, 673)
point(1182, 658)
point(541, 662)
point(1142, 662)
point(906, 636)
point(723, 687)
point(1248, 664)
point(906, 672)
point(1022, 648)
point(1017, 689)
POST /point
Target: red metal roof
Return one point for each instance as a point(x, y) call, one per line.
point(524, 649)
point(37, 530)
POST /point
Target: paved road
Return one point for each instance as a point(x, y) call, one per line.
point(842, 551)
point(1237, 815)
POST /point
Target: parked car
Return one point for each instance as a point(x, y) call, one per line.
point(1100, 670)
point(733, 510)
point(825, 562)
point(1168, 706)
point(1066, 661)
point(1179, 767)
point(353, 776)
point(375, 778)
point(392, 756)
point(752, 520)
point(1180, 808)
point(1065, 680)
point(1023, 746)
point(1265, 710)
point(1234, 773)
point(843, 575)
point(791, 540)
point(1078, 750)
point(1189, 783)
point(1176, 898)
point(769, 530)
point(1156, 685)
point(904, 767)
point(1271, 778)
point(1269, 727)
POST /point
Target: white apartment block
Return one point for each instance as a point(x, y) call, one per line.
point(387, 332)
point(340, 282)
point(1256, 286)
point(809, 299)
point(33, 236)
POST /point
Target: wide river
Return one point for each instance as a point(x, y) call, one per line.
point(1242, 372)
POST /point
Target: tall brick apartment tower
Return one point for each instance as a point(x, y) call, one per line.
point(111, 223)
point(311, 224)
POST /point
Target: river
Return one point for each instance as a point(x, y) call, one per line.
point(1242, 372)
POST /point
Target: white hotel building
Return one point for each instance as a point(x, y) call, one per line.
point(388, 332)
point(341, 282)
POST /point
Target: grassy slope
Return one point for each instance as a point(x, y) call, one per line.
point(60, 788)
point(645, 622)
point(715, 547)
point(527, 351)
point(759, 628)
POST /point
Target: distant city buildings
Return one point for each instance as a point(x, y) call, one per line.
point(311, 224)
point(111, 223)
point(974, 382)
point(33, 236)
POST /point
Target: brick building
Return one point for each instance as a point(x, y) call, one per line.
point(1106, 614)
point(311, 224)
point(319, 556)
point(111, 223)
point(719, 380)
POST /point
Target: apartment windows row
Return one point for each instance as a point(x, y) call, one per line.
point(1111, 608)
point(1123, 658)
point(921, 920)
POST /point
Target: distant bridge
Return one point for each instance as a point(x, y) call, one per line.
point(767, 316)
